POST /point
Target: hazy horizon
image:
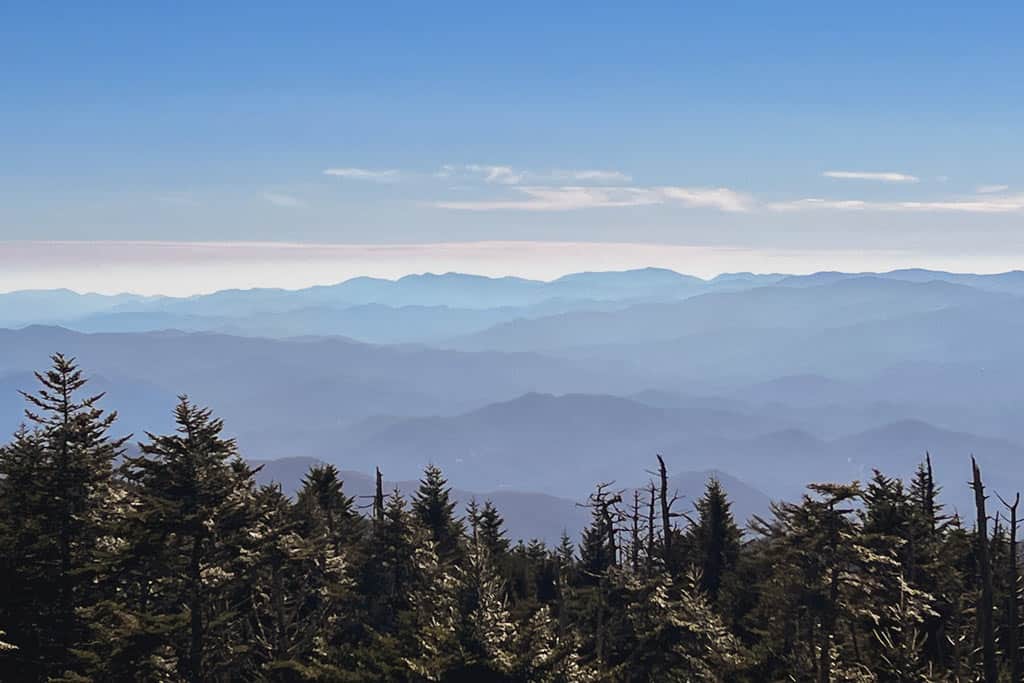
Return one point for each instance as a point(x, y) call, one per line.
point(191, 268)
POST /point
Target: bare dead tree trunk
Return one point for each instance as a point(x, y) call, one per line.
point(984, 608)
point(609, 522)
point(650, 526)
point(604, 503)
point(635, 542)
point(1014, 614)
point(666, 513)
point(929, 499)
point(1013, 606)
point(378, 499)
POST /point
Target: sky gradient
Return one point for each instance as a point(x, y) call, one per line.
point(861, 133)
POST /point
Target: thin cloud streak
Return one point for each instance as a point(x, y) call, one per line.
point(992, 189)
point(988, 205)
point(507, 175)
point(884, 177)
point(380, 176)
point(572, 198)
point(595, 176)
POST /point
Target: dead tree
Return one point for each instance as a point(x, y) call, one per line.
point(929, 498)
point(604, 506)
point(634, 547)
point(1013, 581)
point(666, 513)
point(650, 525)
point(378, 499)
point(984, 609)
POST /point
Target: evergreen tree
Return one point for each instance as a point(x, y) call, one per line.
point(434, 510)
point(300, 586)
point(546, 653)
point(437, 651)
point(491, 530)
point(714, 539)
point(58, 492)
point(488, 633)
point(321, 498)
point(193, 530)
point(677, 635)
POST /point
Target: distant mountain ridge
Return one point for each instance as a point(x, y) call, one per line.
point(474, 302)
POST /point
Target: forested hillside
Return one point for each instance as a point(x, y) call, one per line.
point(165, 561)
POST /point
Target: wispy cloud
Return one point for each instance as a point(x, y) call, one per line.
point(818, 203)
point(507, 175)
point(721, 198)
point(593, 176)
point(556, 199)
point(283, 200)
point(496, 174)
point(880, 176)
point(1002, 204)
point(571, 198)
point(380, 176)
point(992, 189)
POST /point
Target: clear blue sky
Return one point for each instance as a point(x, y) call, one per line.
point(858, 126)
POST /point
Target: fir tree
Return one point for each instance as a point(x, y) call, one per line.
point(322, 499)
point(58, 482)
point(714, 539)
point(676, 634)
point(434, 510)
point(492, 531)
point(194, 518)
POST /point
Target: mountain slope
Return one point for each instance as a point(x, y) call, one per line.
point(293, 397)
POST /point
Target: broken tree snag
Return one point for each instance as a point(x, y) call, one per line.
point(1013, 603)
point(378, 498)
point(984, 609)
point(666, 512)
point(650, 524)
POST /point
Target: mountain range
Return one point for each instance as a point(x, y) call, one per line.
point(545, 388)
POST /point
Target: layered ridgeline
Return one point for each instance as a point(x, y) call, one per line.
point(770, 379)
point(471, 311)
point(165, 558)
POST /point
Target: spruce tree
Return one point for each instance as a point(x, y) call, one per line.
point(194, 522)
point(59, 488)
point(714, 538)
point(676, 633)
point(492, 531)
point(323, 500)
point(434, 510)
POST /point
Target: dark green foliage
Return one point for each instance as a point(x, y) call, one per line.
point(175, 567)
point(714, 539)
point(191, 533)
point(58, 506)
point(434, 510)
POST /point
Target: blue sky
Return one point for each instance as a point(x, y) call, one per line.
point(815, 127)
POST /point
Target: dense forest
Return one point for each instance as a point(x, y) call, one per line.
point(164, 561)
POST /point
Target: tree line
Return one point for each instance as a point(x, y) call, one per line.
point(167, 562)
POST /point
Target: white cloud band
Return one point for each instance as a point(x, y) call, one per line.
point(880, 176)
